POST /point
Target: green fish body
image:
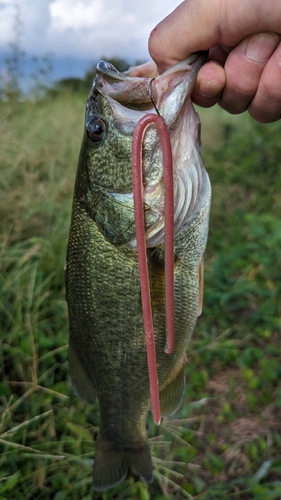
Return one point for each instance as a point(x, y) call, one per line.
point(107, 350)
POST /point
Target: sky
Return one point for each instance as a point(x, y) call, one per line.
point(82, 30)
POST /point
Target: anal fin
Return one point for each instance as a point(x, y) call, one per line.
point(81, 383)
point(172, 394)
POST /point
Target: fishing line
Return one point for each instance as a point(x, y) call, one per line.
point(151, 96)
point(137, 177)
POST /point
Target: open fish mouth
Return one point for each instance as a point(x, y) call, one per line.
point(133, 94)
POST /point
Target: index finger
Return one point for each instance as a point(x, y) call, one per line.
point(200, 24)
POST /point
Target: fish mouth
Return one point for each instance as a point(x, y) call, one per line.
point(132, 95)
point(141, 87)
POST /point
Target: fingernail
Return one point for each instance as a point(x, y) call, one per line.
point(208, 88)
point(260, 47)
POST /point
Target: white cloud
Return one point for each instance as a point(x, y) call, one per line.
point(76, 15)
point(35, 19)
point(7, 14)
point(85, 28)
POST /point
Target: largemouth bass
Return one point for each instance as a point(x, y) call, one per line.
point(107, 348)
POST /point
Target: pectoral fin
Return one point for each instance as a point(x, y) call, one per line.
point(81, 383)
point(172, 394)
point(201, 286)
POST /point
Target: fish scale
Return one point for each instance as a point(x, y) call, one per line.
point(107, 350)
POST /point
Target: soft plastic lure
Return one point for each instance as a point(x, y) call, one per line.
point(137, 176)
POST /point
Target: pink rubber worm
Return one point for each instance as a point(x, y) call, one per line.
point(137, 176)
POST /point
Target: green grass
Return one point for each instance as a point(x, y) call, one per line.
point(226, 440)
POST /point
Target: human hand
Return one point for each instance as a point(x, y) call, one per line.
point(243, 38)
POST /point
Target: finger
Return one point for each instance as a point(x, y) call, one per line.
point(243, 69)
point(266, 104)
point(200, 24)
point(219, 54)
point(209, 84)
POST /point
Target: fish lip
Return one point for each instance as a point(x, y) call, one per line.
point(107, 69)
point(195, 59)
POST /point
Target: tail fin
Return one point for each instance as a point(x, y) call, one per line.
point(112, 463)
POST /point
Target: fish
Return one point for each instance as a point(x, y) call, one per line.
point(107, 345)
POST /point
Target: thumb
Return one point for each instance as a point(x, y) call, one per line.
point(201, 24)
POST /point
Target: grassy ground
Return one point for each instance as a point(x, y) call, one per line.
point(226, 440)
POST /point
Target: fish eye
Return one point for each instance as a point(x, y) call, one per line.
point(96, 129)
